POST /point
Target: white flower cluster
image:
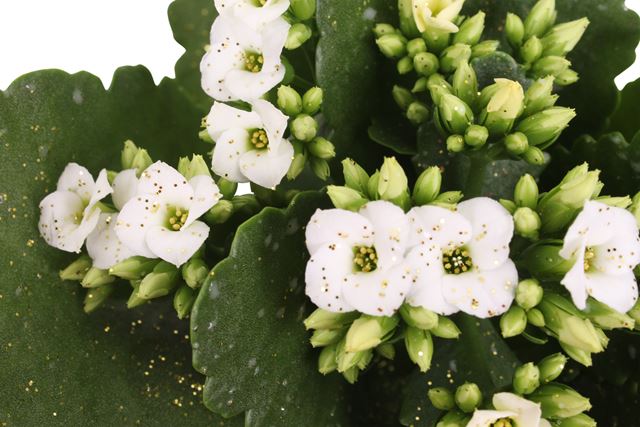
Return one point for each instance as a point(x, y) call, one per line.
point(243, 64)
point(512, 410)
point(155, 216)
point(375, 260)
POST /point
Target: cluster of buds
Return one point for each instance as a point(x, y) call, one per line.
point(542, 46)
point(300, 16)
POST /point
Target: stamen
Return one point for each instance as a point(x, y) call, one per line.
point(259, 138)
point(503, 422)
point(589, 255)
point(253, 61)
point(457, 261)
point(177, 218)
point(365, 258)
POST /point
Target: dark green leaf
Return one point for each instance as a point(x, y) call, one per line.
point(498, 65)
point(625, 119)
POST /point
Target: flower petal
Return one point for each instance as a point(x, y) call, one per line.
point(576, 282)
point(134, 221)
point(77, 179)
point(621, 253)
point(205, 195)
point(273, 122)
point(177, 247)
point(379, 293)
point(125, 187)
point(223, 117)
point(594, 226)
point(248, 86)
point(449, 230)
point(482, 293)
point(450, 12)
point(528, 412)
point(230, 146)
point(257, 17)
point(103, 245)
point(391, 228)
point(267, 168)
point(619, 292)
point(167, 184)
point(214, 68)
point(325, 275)
point(486, 418)
point(337, 227)
point(492, 227)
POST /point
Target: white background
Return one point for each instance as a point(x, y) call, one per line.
point(101, 35)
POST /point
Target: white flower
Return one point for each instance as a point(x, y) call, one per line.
point(69, 214)
point(436, 14)
point(513, 410)
point(357, 259)
point(103, 245)
point(249, 145)
point(161, 220)
point(461, 259)
point(604, 243)
point(243, 63)
point(508, 100)
point(255, 13)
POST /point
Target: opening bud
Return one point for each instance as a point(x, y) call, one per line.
point(567, 77)
point(346, 198)
point(452, 56)
point(368, 331)
point(550, 66)
point(427, 186)
point(606, 317)
point(539, 96)
point(541, 17)
point(355, 176)
point(393, 181)
point(562, 38)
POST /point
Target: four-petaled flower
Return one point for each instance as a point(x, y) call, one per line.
point(436, 15)
point(357, 259)
point(604, 243)
point(160, 221)
point(243, 63)
point(70, 214)
point(460, 259)
point(255, 13)
point(510, 411)
point(250, 144)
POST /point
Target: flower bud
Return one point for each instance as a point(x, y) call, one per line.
point(141, 161)
point(419, 317)
point(325, 337)
point(529, 293)
point(514, 28)
point(298, 34)
point(454, 419)
point(567, 77)
point(560, 401)
point(393, 181)
point(551, 367)
point(465, 83)
point(455, 144)
point(454, 114)
point(416, 46)
point(539, 96)
point(581, 356)
point(194, 272)
point(322, 319)
point(128, 153)
point(346, 198)
point(220, 212)
point(355, 177)
point(438, 86)
point(312, 100)
point(419, 346)
point(517, 143)
point(527, 223)
point(580, 420)
point(452, 56)
point(605, 317)
point(96, 297)
point(194, 167)
point(134, 268)
point(304, 127)
point(570, 329)
point(617, 202)
point(417, 113)
point(381, 29)
point(372, 186)
point(392, 45)
point(95, 278)
point(420, 85)
point(441, 398)
point(347, 360)
point(535, 318)
point(543, 128)
point(386, 350)
point(526, 192)
point(445, 329)
point(303, 9)
point(427, 186)
point(77, 269)
point(327, 360)
point(426, 64)
point(449, 197)
point(183, 301)
point(476, 136)
point(505, 105)
point(513, 322)
point(404, 65)
point(508, 205)
point(545, 262)
point(531, 50)
point(471, 30)
point(541, 17)
point(227, 188)
point(562, 38)
point(407, 22)
point(484, 48)
point(322, 149)
point(134, 300)
point(160, 282)
point(299, 160)
point(402, 96)
point(351, 374)
point(289, 100)
point(247, 203)
point(526, 379)
point(320, 168)
point(550, 66)
point(468, 397)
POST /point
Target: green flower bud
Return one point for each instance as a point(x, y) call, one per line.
point(96, 297)
point(484, 48)
point(527, 223)
point(346, 198)
point(183, 301)
point(543, 128)
point(194, 272)
point(419, 346)
point(471, 30)
point(304, 127)
point(320, 168)
point(227, 188)
point(449, 197)
point(508, 205)
point(393, 181)
point(404, 65)
point(355, 177)
point(517, 143)
point(526, 379)
point(220, 212)
point(299, 161)
point(407, 21)
point(351, 375)
point(325, 337)
point(303, 9)
point(312, 100)
point(476, 136)
point(427, 186)
point(465, 83)
point(205, 136)
point(372, 186)
point(386, 350)
point(454, 114)
point(381, 29)
point(545, 262)
point(529, 293)
point(417, 113)
point(365, 360)
point(531, 50)
point(468, 397)
point(247, 203)
point(453, 419)
point(95, 278)
point(327, 360)
point(539, 96)
point(299, 33)
point(445, 329)
point(551, 367)
point(134, 268)
point(581, 356)
point(455, 144)
point(504, 106)
point(567, 78)
point(607, 318)
point(194, 167)
point(560, 401)
point(550, 66)
point(402, 96)
point(77, 269)
point(540, 19)
point(420, 85)
point(392, 45)
point(425, 63)
point(128, 153)
point(141, 161)
point(347, 360)
point(617, 202)
point(416, 46)
point(438, 86)
point(580, 420)
point(160, 282)
point(514, 28)
point(134, 300)
point(535, 318)
point(513, 322)
point(441, 398)
point(564, 37)
point(322, 319)
point(453, 56)
point(570, 329)
point(526, 192)
point(419, 317)
point(289, 100)
point(322, 149)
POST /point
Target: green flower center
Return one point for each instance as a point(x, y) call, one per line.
point(457, 261)
point(365, 259)
point(77, 217)
point(259, 3)
point(504, 422)
point(177, 218)
point(253, 61)
point(589, 255)
point(259, 138)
